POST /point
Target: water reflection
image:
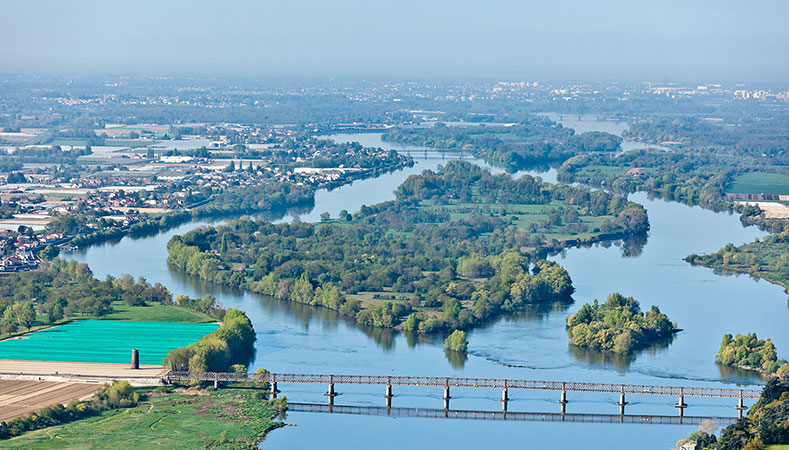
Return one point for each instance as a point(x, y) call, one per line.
point(456, 359)
point(616, 360)
point(737, 375)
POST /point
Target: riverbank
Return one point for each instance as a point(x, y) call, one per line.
point(168, 418)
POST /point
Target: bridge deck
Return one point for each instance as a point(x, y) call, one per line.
point(468, 382)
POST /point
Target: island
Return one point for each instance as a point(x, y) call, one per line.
point(457, 248)
point(618, 326)
point(751, 353)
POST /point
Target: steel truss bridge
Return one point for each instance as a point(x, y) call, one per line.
point(447, 382)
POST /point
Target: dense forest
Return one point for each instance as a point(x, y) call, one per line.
point(534, 141)
point(454, 266)
point(618, 326)
point(750, 352)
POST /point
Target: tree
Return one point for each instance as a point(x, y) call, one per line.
point(25, 314)
point(325, 216)
point(456, 341)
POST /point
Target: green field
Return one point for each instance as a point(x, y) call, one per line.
point(156, 313)
point(760, 183)
point(105, 341)
point(228, 418)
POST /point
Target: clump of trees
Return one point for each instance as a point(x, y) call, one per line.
point(232, 344)
point(750, 352)
point(618, 325)
point(119, 394)
point(456, 341)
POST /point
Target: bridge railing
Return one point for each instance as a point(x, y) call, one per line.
point(466, 382)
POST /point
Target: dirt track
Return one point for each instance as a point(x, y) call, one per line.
point(19, 397)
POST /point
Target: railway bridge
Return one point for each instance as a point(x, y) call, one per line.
point(562, 387)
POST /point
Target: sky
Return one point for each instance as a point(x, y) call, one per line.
point(704, 40)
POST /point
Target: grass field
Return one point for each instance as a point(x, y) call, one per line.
point(228, 418)
point(760, 183)
point(156, 313)
point(104, 341)
point(523, 216)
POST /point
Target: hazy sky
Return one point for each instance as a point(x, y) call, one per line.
point(705, 40)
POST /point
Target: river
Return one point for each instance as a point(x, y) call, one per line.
point(531, 345)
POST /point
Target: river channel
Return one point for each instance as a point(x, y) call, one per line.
point(530, 345)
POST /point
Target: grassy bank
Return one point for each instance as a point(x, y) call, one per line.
point(184, 419)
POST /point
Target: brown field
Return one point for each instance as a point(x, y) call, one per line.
point(81, 370)
point(19, 397)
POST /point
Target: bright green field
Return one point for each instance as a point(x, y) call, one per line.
point(760, 183)
point(105, 341)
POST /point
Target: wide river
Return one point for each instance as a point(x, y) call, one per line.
point(531, 345)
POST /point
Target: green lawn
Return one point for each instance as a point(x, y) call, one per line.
point(183, 420)
point(760, 183)
point(156, 313)
point(105, 341)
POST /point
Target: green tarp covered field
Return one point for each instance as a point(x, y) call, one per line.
point(104, 341)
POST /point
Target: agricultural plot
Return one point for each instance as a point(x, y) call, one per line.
point(19, 397)
point(760, 183)
point(104, 341)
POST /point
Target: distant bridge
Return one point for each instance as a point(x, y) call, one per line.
point(446, 382)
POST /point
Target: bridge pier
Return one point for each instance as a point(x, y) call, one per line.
point(622, 401)
point(681, 405)
point(563, 400)
point(505, 398)
point(389, 394)
point(274, 391)
point(216, 381)
point(330, 392)
point(740, 407)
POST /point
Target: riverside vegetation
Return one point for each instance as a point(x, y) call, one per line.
point(750, 352)
point(618, 326)
point(767, 258)
point(766, 425)
point(456, 248)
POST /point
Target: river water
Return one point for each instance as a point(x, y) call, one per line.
point(530, 345)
